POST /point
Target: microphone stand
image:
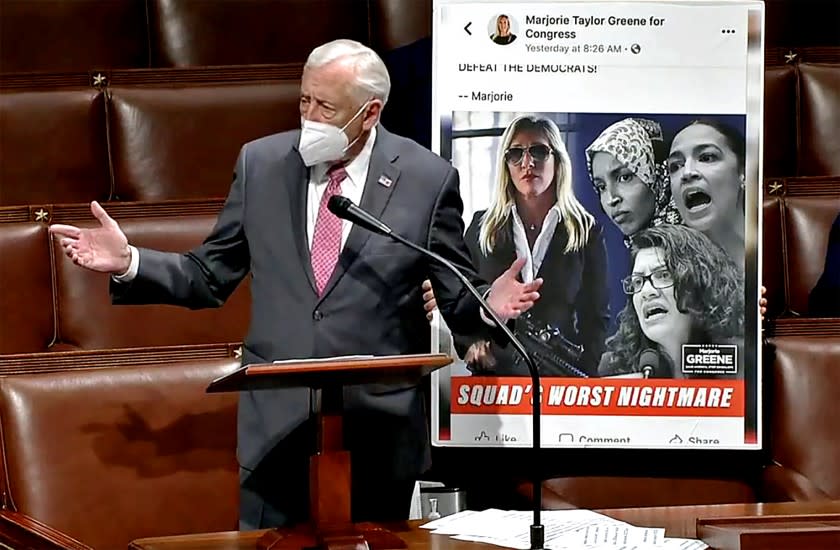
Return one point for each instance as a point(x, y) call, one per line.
point(537, 529)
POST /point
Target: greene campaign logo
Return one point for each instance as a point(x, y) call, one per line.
point(709, 359)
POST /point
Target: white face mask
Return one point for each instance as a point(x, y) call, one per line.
point(322, 142)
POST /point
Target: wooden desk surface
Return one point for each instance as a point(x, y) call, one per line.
point(415, 537)
point(679, 521)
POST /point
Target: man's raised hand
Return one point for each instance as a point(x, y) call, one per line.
point(103, 248)
point(509, 298)
point(762, 302)
point(429, 302)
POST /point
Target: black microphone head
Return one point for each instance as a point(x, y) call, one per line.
point(649, 362)
point(338, 205)
point(346, 209)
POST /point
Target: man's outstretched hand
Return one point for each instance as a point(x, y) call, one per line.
point(429, 302)
point(762, 302)
point(509, 298)
point(103, 248)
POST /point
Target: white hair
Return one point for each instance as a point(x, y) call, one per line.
point(372, 77)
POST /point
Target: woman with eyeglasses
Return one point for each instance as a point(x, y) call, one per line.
point(627, 168)
point(707, 172)
point(675, 299)
point(535, 215)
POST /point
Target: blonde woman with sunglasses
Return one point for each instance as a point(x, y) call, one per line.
point(535, 215)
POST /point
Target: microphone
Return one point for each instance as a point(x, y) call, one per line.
point(345, 209)
point(649, 362)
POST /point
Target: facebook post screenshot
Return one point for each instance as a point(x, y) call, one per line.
point(616, 147)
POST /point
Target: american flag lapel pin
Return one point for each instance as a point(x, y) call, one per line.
point(385, 180)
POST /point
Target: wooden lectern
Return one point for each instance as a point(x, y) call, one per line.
point(330, 525)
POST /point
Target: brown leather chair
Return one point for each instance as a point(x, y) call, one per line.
point(108, 455)
point(27, 314)
point(805, 444)
point(232, 32)
point(780, 124)
point(808, 219)
point(53, 146)
point(88, 320)
point(49, 304)
point(773, 267)
point(72, 35)
point(395, 23)
point(178, 142)
point(819, 152)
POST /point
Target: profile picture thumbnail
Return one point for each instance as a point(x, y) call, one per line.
point(502, 29)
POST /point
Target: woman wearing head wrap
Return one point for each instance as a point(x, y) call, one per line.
point(630, 177)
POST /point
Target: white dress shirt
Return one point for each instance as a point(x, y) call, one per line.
point(352, 187)
point(534, 258)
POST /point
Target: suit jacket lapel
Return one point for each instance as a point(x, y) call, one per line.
point(504, 252)
point(382, 178)
point(554, 250)
point(296, 186)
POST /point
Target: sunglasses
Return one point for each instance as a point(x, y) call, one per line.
point(659, 279)
point(537, 152)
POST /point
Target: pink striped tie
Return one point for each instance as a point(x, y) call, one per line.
point(326, 237)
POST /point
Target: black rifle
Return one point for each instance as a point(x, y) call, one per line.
point(555, 354)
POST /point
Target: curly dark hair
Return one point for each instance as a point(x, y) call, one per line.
point(708, 285)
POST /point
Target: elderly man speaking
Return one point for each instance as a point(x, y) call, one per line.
point(321, 287)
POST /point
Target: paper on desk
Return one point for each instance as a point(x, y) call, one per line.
point(683, 544)
point(488, 523)
point(665, 544)
point(564, 530)
point(446, 520)
point(516, 525)
point(597, 536)
point(612, 535)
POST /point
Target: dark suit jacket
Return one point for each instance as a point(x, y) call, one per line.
point(574, 296)
point(372, 304)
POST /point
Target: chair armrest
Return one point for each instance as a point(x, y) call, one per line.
point(22, 532)
point(780, 483)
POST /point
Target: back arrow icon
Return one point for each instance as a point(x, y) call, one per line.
point(467, 28)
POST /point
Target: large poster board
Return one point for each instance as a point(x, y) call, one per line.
point(644, 119)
